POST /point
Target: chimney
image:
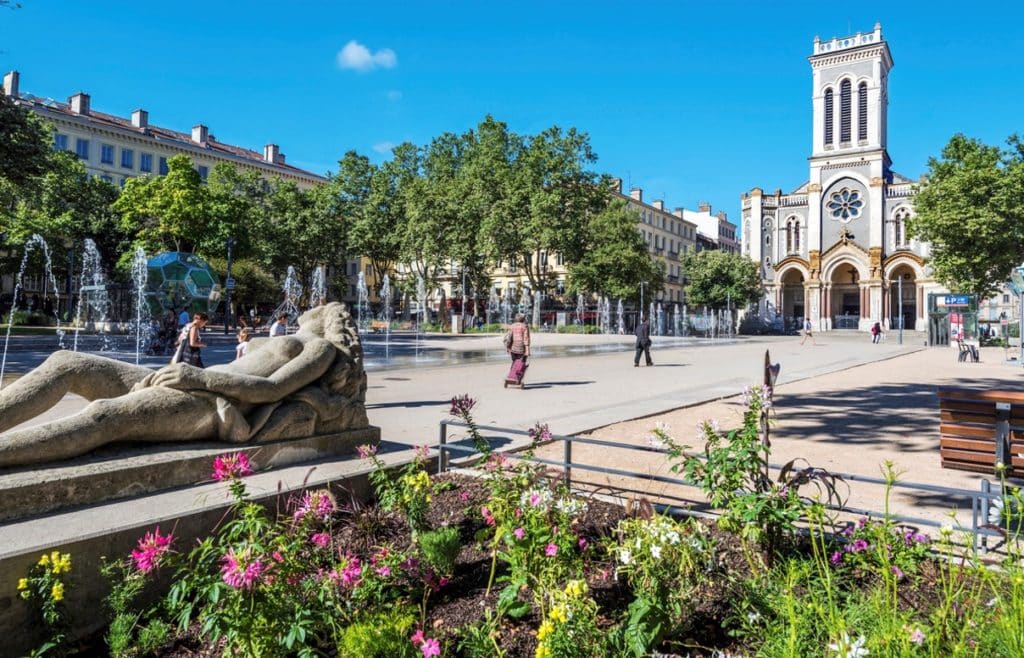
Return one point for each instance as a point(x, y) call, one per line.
point(678, 212)
point(617, 185)
point(280, 158)
point(200, 134)
point(140, 118)
point(722, 216)
point(637, 194)
point(79, 103)
point(11, 83)
point(659, 204)
point(271, 153)
point(703, 206)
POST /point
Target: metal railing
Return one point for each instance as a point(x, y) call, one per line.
point(980, 500)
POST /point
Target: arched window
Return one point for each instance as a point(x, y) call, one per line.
point(844, 112)
point(793, 235)
point(862, 111)
point(796, 234)
point(899, 228)
point(828, 116)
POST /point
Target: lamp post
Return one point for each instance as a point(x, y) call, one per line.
point(899, 300)
point(228, 285)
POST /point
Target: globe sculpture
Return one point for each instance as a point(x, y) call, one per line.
point(179, 281)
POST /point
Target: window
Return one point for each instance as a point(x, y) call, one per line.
point(106, 179)
point(845, 205)
point(124, 181)
point(204, 171)
point(60, 142)
point(146, 162)
point(844, 112)
point(862, 111)
point(828, 116)
point(107, 154)
point(127, 158)
point(899, 228)
point(793, 235)
point(82, 148)
point(1006, 299)
point(163, 166)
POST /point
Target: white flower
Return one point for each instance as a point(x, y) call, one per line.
point(992, 602)
point(625, 556)
point(995, 511)
point(847, 649)
point(655, 551)
point(752, 617)
point(946, 529)
point(672, 537)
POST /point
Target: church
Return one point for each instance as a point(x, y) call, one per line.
point(835, 250)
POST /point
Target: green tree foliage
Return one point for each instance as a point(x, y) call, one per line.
point(617, 261)
point(253, 283)
point(717, 277)
point(25, 145)
point(971, 210)
point(168, 213)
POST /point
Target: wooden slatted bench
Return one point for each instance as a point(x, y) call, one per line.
point(979, 428)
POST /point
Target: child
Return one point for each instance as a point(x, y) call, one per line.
point(243, 342)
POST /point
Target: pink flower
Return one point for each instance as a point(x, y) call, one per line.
point(461, 405)
point(430, 647)
point(551, 550)
point(896, 571)
point(319, 504)
point(836, 558)
point(488, 517)
point(534, 499)
point(519, 533)
point(422, 452)
point(464, 496)
point(230, 467)
point(539, 432)
point(418, 637)
point(917, 636)
point(366, 451)
point(352, 572)
point(582, 543)
point(321, 539)
point(239, 571)
point(384, 571)
point(276, 555)
point(151, 548)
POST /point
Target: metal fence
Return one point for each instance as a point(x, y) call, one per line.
point(980, 500)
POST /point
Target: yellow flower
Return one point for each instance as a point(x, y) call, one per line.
point(22, 584)
point(44, 561)
point(545, 630)
point(55, 557)
point(576, 588)
point(543, 651)
point(62, 564)
point(558, 614)
point(57, 592)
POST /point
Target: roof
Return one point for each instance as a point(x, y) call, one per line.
point(162, 134)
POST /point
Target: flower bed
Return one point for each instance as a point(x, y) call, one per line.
point(509, 563)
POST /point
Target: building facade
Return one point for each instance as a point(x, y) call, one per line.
point(117, 148)
point(835, 251)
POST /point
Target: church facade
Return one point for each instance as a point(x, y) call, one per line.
point(835, 250)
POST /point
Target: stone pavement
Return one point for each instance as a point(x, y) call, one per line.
point(849, 421)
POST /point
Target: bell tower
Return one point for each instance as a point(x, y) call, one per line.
point(850, 95)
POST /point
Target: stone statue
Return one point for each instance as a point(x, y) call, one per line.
point(306, 384)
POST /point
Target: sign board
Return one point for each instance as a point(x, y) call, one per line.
point(956, 300)
point(229, 284)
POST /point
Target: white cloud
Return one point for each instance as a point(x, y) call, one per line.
point(358, 57)
point(383, 147)
point(394, 95)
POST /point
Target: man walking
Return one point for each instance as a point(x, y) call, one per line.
point(643, 342)
point(280, 326)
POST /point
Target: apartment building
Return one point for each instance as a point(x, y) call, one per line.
point(116, 148)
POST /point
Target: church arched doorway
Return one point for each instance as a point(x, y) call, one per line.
point(845, 297)
point(791, 303)
point(903, 297)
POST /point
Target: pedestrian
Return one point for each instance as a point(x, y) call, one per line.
point(517, 344)
point(876, 332)
point(183, 318)
point(190, 342)
point(280, 326)
point(807, 332)
point(244, 335)
point(643, 342)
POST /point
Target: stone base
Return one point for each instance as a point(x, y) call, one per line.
point(128, 470)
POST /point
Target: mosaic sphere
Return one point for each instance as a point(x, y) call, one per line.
point(181, 281)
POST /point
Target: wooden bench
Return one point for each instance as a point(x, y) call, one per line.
point(977, 429)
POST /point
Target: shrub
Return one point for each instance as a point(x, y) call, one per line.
point(440, 549)
point(379, 635)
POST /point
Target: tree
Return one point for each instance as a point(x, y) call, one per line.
point(971, 210)
point(25, 144)
point(617, 261)
point(168, 213)
point(253, 284)
point(716, 278)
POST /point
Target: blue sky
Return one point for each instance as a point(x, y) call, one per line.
point(689, 100)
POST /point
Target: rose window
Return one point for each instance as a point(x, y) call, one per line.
point(845, 205)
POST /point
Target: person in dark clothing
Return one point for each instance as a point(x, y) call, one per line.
point(643, 342)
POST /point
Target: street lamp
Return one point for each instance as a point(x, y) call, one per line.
point(899, 300)
point(229, 284)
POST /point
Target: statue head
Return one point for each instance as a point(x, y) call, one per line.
point(334, 323)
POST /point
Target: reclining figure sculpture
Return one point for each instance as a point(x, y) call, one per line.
point(306, 384)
